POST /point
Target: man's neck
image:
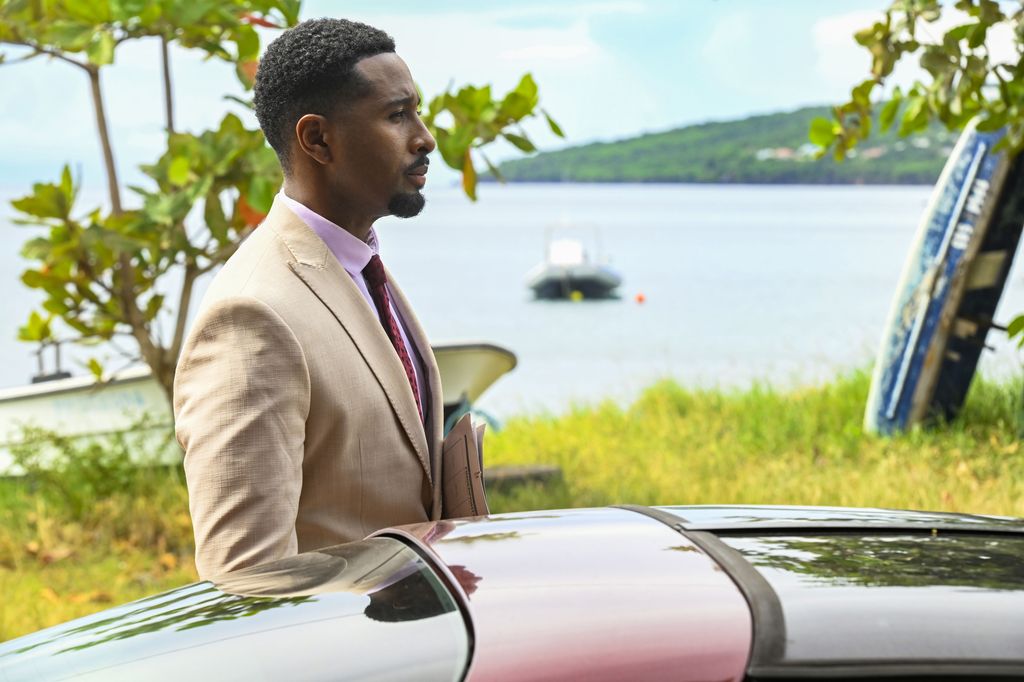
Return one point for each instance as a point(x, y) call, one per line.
point(357, 226)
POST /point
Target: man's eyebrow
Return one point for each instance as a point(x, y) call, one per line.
point(411, 98)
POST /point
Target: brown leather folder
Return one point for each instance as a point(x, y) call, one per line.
point(462, 471)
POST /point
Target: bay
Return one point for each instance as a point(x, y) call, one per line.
point(740, 284)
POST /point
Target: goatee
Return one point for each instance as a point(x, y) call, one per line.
point(406, 204)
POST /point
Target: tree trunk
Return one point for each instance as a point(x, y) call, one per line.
point(151, 353)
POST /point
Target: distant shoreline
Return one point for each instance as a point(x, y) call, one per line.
point(771, 149)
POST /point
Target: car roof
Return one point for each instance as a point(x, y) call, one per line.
point(597, 594)
point(849, 593)
point(777, 517)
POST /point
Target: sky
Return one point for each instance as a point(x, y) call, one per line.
point(607, 69)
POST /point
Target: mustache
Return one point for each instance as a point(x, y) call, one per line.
point(422, 162)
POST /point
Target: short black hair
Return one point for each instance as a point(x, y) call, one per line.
point(310, 69)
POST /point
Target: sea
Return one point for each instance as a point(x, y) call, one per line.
point(723, 286)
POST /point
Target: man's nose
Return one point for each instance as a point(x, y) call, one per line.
point(423, 142)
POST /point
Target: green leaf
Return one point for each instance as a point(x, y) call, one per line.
point(36, 329)
point(261, 194)
point(514, 107)
point(527, 87)
point(248, 42)
point(915, 117)
point(126, 10)
point(453, 148)
point(70, 36)
point(962, 32)
point(1016, 328)
point(95, 368)
point(870, 35)
point(555, 128)
point(46, 201)
point(213, 214)
point(153, 307)
point(822, 131)
point(861, 95)
point(889, 111)
point(67, 185)
point(520, 142)
point(937, 62)
point(469, 176)
point(55, 306)
point(247, 103)
point(179, 171)
point(994, 121)
point(88, 11)
point(37, 248)
point(101, 49)
point(495, 171)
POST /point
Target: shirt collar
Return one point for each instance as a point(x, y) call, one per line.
point(351, 252)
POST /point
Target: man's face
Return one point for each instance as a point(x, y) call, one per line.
point(381, 163)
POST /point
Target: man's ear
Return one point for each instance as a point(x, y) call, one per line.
point(311, 137)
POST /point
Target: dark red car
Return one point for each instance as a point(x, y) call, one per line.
point(620, 593)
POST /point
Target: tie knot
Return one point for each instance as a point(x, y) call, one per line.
point(374, 272)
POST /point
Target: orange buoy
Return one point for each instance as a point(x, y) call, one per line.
point(640, 298)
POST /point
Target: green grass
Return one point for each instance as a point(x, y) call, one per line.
point(763, 446)
point(72, 543)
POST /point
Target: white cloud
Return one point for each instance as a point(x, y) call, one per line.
point(840, 58)
point(725, 47)
point(557, 53)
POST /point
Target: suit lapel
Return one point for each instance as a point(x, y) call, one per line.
point(435, 412)
point(323, 275)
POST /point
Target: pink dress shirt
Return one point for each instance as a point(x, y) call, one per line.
point(353, 255)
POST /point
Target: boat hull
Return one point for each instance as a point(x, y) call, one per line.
point(952, 281)
point(566, 282)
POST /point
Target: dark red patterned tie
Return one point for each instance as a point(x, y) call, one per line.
point(376, 281)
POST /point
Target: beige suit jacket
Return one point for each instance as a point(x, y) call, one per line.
point(299, 426)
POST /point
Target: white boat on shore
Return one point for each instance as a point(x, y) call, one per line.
point(81, 407)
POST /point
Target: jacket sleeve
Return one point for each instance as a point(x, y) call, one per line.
point(241, 398)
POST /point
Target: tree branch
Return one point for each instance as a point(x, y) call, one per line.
point(108, 152)
point(19, 60)
point(168, 98)
point(222, 254)
point(39, 49)
point(183, 306)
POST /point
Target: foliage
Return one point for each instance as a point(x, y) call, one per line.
point(478, 120)
point(105, 274)
point(79, 259)
point(722, 152)
point(94, 520)
point(964, 80)
point(78, 473)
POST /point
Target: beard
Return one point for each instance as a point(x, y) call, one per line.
point(406, 204)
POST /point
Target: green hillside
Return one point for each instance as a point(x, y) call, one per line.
point(761, 149)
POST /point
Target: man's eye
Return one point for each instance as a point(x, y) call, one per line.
point(398, 115)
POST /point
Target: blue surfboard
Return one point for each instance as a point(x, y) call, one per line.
point(951, 284)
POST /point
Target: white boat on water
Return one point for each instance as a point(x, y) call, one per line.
point(81, 407)
point(573, 268)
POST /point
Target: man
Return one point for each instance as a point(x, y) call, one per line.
point(307, 399)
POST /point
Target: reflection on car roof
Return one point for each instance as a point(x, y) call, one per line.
point(848, 593)
point(727, 518)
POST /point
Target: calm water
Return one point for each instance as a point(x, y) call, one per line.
point(742, 283)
